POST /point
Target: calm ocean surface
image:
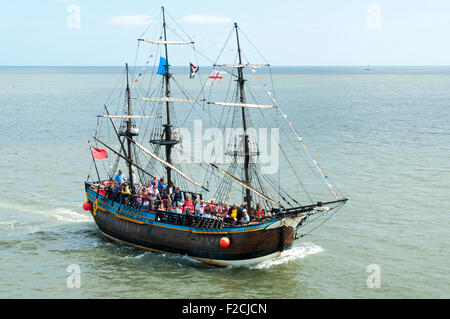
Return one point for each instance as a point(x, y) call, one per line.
point(383, 136)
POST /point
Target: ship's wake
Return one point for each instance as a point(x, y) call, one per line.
point(70, 213)
point(297, 252)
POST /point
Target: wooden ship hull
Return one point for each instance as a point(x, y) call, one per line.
point(143, 229)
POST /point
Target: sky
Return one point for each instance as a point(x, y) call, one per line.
point(298, 32)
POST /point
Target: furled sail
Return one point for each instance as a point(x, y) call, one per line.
point(166, 42)
point(244, 184)
point(168, 164)
point(124, 157)
point(259, 106)
point(252, 66)
point(125, 116)
point(166, 99)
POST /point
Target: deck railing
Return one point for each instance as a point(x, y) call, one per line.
point(184, 219)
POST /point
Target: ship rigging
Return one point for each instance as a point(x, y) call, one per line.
point(154, 208)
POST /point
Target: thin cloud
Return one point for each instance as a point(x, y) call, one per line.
point(203, 19)
point(138, 20)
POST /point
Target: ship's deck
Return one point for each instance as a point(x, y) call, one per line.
point(136, 212)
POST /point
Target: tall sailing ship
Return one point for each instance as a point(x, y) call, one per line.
point(270, 216)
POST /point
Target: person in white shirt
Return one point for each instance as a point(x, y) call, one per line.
point(200, 206)
point(154, 193)
point(245, 219)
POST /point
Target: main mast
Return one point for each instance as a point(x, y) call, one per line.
point(129, 135)
point(167, 126)
point(241, 81)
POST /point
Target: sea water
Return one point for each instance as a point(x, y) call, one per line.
point(382, 135)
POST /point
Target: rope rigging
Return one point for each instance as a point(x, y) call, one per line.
point(153, 130)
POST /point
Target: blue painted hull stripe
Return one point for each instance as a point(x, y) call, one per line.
point(151, 220)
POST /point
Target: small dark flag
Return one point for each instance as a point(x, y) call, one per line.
point(194, 70)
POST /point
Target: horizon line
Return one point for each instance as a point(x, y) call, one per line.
point(277, 66)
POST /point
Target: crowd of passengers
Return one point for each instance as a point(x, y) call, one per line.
point(157, 196)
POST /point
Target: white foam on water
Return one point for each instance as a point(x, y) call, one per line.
point(134, 257)
point(59, 213)
point(13, 227)
point(9, 225)
point(297, 252)
point(68, 215)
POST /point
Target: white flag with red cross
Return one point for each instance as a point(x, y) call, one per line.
point(215, 77)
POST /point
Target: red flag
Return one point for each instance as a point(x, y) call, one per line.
point(99, 153)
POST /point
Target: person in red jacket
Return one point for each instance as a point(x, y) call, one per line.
point(188, 203)
point(259, 212)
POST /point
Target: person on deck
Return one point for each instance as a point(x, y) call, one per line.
point(245, 219)
point(187, 210)
point(110, 190)
point(125, 189)
point(162, 206)
point(207, 212)
point(259, 215)
point(145, 197)
point(164, 196)
point(119, 177)
point(125, 192)
point(218, 209)
point(154, 194)
point(225, 210)
point(179, 208)
point(240, 212)
point(170, 188)
point(116, 187)
point(177, 196)
point(188, 203)
point(139, 188)
point(187, 216)
point(161, 184)
point(200, 206)
point(221, 211)
point(153, 182)
point(133, 179)
point(207, 208)
point(233, 211)
point(194, 200)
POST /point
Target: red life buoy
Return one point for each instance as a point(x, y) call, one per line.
point(87, 206)
point(224, 242)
